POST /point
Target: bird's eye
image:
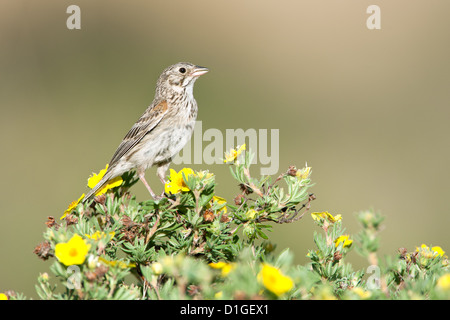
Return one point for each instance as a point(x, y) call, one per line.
point(182, 70)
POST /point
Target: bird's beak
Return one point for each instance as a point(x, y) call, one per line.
point(198, 71)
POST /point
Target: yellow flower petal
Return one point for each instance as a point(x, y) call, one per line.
point(361, 292)
point(250, 214)
point(99, 235)
point(224, 266)
point(321, 216)
point(94, 179)
point(176, 183)
point(233, 154)
point(186, 172)
point(120, 264)
point(72, 206)
point(217, 265)
point(303, 173)
point(204, 174)
point(171, 184)
point(345, 240)
point(227, 269)
point(117, 181)
point(219, 200)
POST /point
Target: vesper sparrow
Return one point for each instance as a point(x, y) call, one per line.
point(162, 131)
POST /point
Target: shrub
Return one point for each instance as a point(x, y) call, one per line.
point(194, 244)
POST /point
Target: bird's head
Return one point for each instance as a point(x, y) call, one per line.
point(180, 77)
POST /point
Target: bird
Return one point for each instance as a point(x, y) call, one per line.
point(161, 132)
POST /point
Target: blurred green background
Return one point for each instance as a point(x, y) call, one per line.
point(367, 109)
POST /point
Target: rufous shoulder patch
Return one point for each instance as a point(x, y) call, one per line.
point(161, 107)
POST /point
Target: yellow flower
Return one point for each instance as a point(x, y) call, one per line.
point(362, 293)
point(3, 296)
point(44, 276)
point(250, 214)
point(345, 240)
point(321, 216)
point(426, 252)
point(443, 282)
point(220, 200)
point(438, 251)
point(309, 253)
point(99, 235)
point(72, 252)
point(95, 178)
point(223, 266)
point(233, 154)
point(176, 182)
point(274, 280)
point(204, 174)
point(323, 293)
point(218, 295)
point(72, 206)
point(157, 268)
point(303, 173)
point(120, 264)
point(217, 265)
point(228, 268)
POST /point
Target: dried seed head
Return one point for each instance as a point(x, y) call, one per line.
point(225, 218)
point(402, 252)
point(238, 199)
point(208, 215)
point(127, 222)
point(91, 276)
point(10, 293)
point(43, 250)
point(414, 256)
point(101, 270)
point(292, 171)
point(245, 189)
point(71, 219)
point(100, 199)
point(51, 222)
point(193, 290)
point(337, 256)
point(240, 295)
point(97, 274)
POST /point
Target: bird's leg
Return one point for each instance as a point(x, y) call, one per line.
point(142, 178)
point(161, 172)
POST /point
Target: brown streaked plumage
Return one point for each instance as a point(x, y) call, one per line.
point(162, 131)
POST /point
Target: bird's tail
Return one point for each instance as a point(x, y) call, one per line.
point(97, 187)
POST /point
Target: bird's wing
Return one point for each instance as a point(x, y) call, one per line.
point(144, 125)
